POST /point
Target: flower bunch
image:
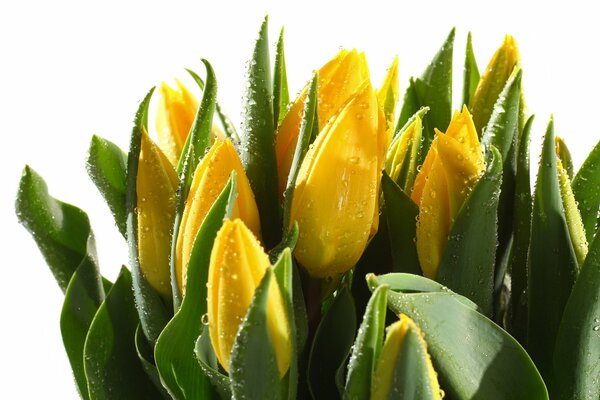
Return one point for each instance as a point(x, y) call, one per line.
point(334, 247)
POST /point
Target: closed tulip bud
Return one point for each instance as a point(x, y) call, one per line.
point(492, 81)
point(237, 265)
point(572, 215)
point(387, 96)
point(174, 117)
point(401, 159)
point(209, 179)
point(335, 200)
point(404, 356)
point(156, 186)
point(451, 169)
point(338, 80)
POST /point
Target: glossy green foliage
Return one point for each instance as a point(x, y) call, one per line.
point(467, 265)
point(106, 165)
point(470, 73)
point(586, 188)
point(552, 263)
point(257, 147)
point(112, 367)
point(474, 357)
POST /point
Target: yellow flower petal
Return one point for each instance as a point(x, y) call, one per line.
point(572, 214)
point(451, 169)
point(174, 117)
point(156, 185)
point(397, 153)
point(338, 80)
point(208, 182)
point(336, 195)
point(237, 265)
point(387, 96)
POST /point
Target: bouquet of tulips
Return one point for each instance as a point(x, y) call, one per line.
point(334, 247)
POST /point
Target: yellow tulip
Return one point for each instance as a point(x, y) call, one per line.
point(237, 265)
point(156, 185)
point(338, 80)
point(396, 335)
point(396, 159)
point(335, 200)
point(493, 80)
point(175, 116)
point(572, 215)
point(387, 96)
point(209, 179)
point(451, 168)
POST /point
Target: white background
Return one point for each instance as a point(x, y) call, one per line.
point(72, 69)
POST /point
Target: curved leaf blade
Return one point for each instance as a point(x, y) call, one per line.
point(331, 346)
point(470, 73)
point(61, 231)
point(467, 265)
point(257, 147)
point(106, 165)
point(586, 188)
point(473, 356)
point(552, 263)
point(576, 366)
point(112, 367)
point(281, 95)
point(83, 297)
point(208, 362)
point(366, 349)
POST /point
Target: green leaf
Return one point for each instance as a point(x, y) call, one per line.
point(410, 105)
point(281, 95)
point(474, 357)
point(552, 264)
point(502, 131)
point(82, 299)
point(208, 362)
point(199, 138)
point(434, 89)
point(146, 356)
point(284, 273)
point(564, 155)
point(470, 74)
point(112, 367)
point(257, 147)
point(522, 229)
point(61, 231)
point(409, 169)
point(174, 352)
point(401, 214)
point(226, 123)
point(151, 309)
point(576, 366)
point(106, 165)
point(253, 368)
point(195, 146)
point(467, 265)
point(288, 242)
point(331, 345)
point(308, 124)
point(586, 188)
point(367, 347)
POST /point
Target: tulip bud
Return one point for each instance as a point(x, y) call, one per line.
point(387, 96)
point(492, 81)
point(156, 186)
point(335, 200)
point(174, 118)
point(237, 265)
point(405, 346)
point(572, 215)
point(338, 80)
point(401, 157)
point(451, 169)
point(209, 179)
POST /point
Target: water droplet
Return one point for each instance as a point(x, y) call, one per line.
point(204, 319)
